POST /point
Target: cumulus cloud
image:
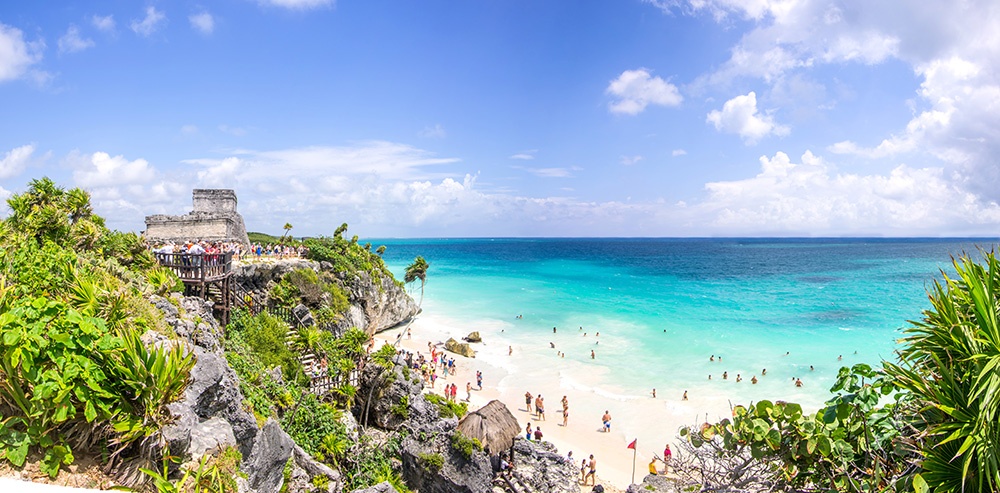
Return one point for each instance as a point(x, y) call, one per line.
point(100, 169)
point(678, 152)
point(15, 160)
point(807, 197)
point(526, 155)
point(298, 4)
point(149, 24)
point(17, 55)
point(103, 23)
point(203, 22)
point(551, 172)
point(72, 42)
point(634, 90)
point(740, 116)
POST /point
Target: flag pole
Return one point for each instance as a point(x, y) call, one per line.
point(633, 464)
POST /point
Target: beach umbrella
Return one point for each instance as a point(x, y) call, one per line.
point(493, 425)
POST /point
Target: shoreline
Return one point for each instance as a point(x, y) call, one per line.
point(653, 421)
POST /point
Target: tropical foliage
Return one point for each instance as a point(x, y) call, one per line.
point(73, 371)
point(417, 270)
point(346, 256)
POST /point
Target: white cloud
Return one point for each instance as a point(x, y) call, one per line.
point(678, 152)
point(633, 90)
point(203, 22)
point(526, 155)
point(811, 198)
point(234, 131)
point(149, 24)
point(189, 129)
point(740, 116)
point(17, 55)
point(72, 42)
point(15, 160)
point(435, 132)
point(629, 160)
point(551, 172)
point(103, 23)
point(298, 4)
point(100, 169)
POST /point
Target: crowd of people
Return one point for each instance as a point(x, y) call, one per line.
point(239, 250)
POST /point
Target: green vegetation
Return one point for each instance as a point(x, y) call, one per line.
point(446, 408)
point(433, 462)
point(266, 239)
point(402, 408)
point(321, 292)
point(265, 333)
point(417, 270)
point(317, 428)
point(465, 445)
point(213, 475)
point(938, 431)
point(346, 256)
point(73, 371)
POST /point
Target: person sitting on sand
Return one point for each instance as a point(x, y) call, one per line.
point(607, 421)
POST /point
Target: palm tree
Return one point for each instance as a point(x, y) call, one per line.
point(417, 270)
point(287, 227)
point(950, 363)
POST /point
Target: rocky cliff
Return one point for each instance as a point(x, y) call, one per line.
point(376, 304)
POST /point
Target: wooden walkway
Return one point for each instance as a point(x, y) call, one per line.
point(205, 275)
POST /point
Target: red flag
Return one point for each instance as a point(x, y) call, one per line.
point(632, 445)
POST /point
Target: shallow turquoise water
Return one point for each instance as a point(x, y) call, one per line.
point(663, 306)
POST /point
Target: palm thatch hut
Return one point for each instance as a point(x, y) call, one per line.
point(493, 425)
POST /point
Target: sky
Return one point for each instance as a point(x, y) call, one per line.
point(495, 118)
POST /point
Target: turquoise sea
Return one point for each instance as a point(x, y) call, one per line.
point(664, 306)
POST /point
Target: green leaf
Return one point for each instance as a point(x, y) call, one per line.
point(89, 412)
point(919, 484)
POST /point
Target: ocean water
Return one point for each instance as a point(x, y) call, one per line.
point(664, 306)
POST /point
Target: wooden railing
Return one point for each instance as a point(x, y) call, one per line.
point(195, 267)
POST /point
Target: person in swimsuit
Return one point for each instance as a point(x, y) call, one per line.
point(540, 407)
point(527, 401)
point(607, 421)
point(592, 472)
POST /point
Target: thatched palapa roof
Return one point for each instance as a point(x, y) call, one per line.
point(493, 425)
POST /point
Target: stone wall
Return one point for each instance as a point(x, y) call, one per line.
point(214, 200)
point(214, 219)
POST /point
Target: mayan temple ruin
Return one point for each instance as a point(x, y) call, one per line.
point(214, 218)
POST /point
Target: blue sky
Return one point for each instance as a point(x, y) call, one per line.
point(515, 118)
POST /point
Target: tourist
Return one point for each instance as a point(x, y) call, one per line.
point(709, 376)
point(763, 372)
point(711, 358)
point(592, 471)
point(510, 350)
point(553, 330)
point(479, 379)
point(666, 458)
point(565, 412)
point(685, 396)
point(569, 457)
point(409, 335)
point(540, 407)
point(583, 470)
point(811, 368)
point(607, 421)
point(725, 375)
point(654, 393)
point(738, 378)
point(468, 391)
point(652, 466)
point(840, 358)
point(538, 434)
point(592, 355)
point(527, 431)
point(565, 402)
point(527, 401)
point(753, 380)
point(798, 382)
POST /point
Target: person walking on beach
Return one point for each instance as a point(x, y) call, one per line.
point(527, 401)
point(479, 379)
point(607, 422)
point(565, 412)
point(592, 471)
point(468, 391)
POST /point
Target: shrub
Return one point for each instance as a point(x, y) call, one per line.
point(310, 422)
point(265, 335)
point(465, 445)
point(446, 408)
point(402, 409)
point(432, 462)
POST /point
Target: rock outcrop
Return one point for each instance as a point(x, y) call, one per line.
point(473, 337)
point(393, 401)
point(655, 484)
point(383, 487)
point(462, 348)
point(539, 467)
point(432, 465)
point(375, 304)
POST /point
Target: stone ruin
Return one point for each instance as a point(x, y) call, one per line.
point(214, 218)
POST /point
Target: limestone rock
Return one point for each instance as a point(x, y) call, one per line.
point(655, 484)
point(474, 337)
point(540, 467)
point(266, 463)
point(303, 315)
point(383, 487)
point(211, 435)
point(456, 474)
point(388, 390)
point(462, 348)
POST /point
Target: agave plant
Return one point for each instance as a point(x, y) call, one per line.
point(950, 362)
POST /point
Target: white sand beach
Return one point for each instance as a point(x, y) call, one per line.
point(653, 421)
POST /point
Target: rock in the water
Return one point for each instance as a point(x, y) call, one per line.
point(434, 466)
point(459, 348)
point(540, 467)
point(266, 463)
point(474, 337)
point(383, 487)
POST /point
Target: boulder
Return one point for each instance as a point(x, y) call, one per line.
point(388, 390)
point(655, 484)
point(432, 465)
point(303, 315)
point(473, 337)
point(210, 435)
point(383, 487)
point(266, 463)
point(540, 467)
point(462, 348)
